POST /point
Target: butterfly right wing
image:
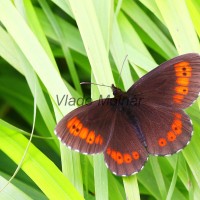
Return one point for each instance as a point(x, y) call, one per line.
point(175, 83)
point(164, 92)
point(166, 131)
point(87, 129)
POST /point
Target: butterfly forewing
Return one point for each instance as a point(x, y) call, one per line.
point(87, 129)
point(175, 83)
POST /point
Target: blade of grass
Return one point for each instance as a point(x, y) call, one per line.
point(173, 182)
point(100, 171)
point(131, 187)
point(116, 189)
point(158, 177)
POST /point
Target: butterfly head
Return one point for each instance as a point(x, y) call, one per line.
point(118, 93)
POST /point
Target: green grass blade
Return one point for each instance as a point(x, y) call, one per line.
point(131, 187)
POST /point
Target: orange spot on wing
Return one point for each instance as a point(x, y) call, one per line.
point(135, 155)
point(113, 155)
point(99, 140)
point(178, 122)
point(76, 122)
point(183, 67)
point(171, 136)
point(184, 74)
point(74, 126)
point(108, 151)
point(177, 126)
point(119, 158)
point(78, 129)
point(181, 90)
point(178, 115)
point(70, 122)
point(182, 81)
point(91, 137)
point(84, 132)
point(178, 98)
point(162, 142)
point(127, 158)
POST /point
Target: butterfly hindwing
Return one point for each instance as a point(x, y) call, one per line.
point(125, 154)
point(87, 129)
point(174, 83)
point(166, 131)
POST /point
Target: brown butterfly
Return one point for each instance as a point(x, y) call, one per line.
point(147, 119)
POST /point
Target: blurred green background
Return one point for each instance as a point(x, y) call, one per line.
point(47, 48)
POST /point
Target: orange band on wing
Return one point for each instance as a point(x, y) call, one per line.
point(121, 158)
point(175, 131)
point(183, 72)
point(77, 129)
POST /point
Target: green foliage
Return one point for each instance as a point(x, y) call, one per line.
point(49, 47)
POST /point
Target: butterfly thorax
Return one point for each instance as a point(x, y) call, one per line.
point(120, 98)
point(124, 100)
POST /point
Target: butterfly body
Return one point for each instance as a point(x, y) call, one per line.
point(147, 119)
point(123, 101)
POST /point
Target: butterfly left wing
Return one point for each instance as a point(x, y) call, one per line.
point(87, 129)
point(125, 154)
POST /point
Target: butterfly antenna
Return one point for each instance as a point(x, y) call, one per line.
point(90, 83)
point(121, 69)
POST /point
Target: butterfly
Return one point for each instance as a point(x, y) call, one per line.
point(147, 119)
